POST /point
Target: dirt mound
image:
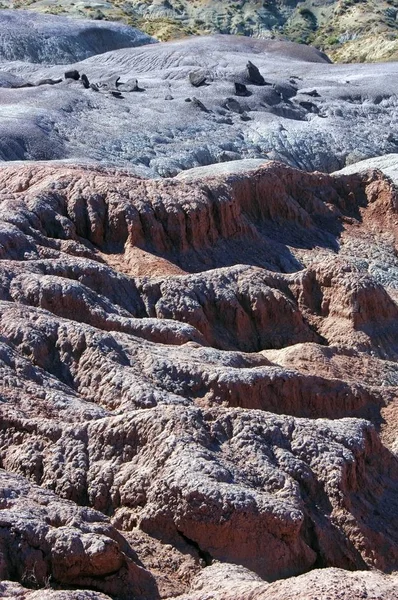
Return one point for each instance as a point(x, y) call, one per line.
point(32, 38)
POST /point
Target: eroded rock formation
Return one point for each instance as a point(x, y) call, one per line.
point(48, 541)
point(197, 372)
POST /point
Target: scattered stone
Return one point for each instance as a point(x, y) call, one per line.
point(270, 96)
point(197, 79)
point(285, 89)
point(313, 93)
point(245, 117)
point(112, 83)
point(169, 97)
point(200, 105)
point(103, 86)
point(254, 74)
point(233, 105)
point(73, 74)
point(309, 106)
point(85, 81)
point(241, 89)
point(130, 86)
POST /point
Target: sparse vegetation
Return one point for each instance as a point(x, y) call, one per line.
point(343, 28)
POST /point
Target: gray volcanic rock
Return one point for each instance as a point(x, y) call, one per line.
point(254, 75)
point(33, 38)
point(154, 137)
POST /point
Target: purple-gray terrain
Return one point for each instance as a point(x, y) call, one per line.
point(308, 113)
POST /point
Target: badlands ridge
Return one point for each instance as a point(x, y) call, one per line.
point(198, 367)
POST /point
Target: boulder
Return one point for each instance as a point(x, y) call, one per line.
point(197, 79)
point(85, 81)
point(254, 75)
point(241, 90)
point(72, 74)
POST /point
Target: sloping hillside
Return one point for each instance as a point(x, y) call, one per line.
point(137, 107)
point(349, 30)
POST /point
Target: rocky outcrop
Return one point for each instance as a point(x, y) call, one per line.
point(45, 541)
point(196, 225)
point(184, 484)
point(226, 582)
point(186, 366)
